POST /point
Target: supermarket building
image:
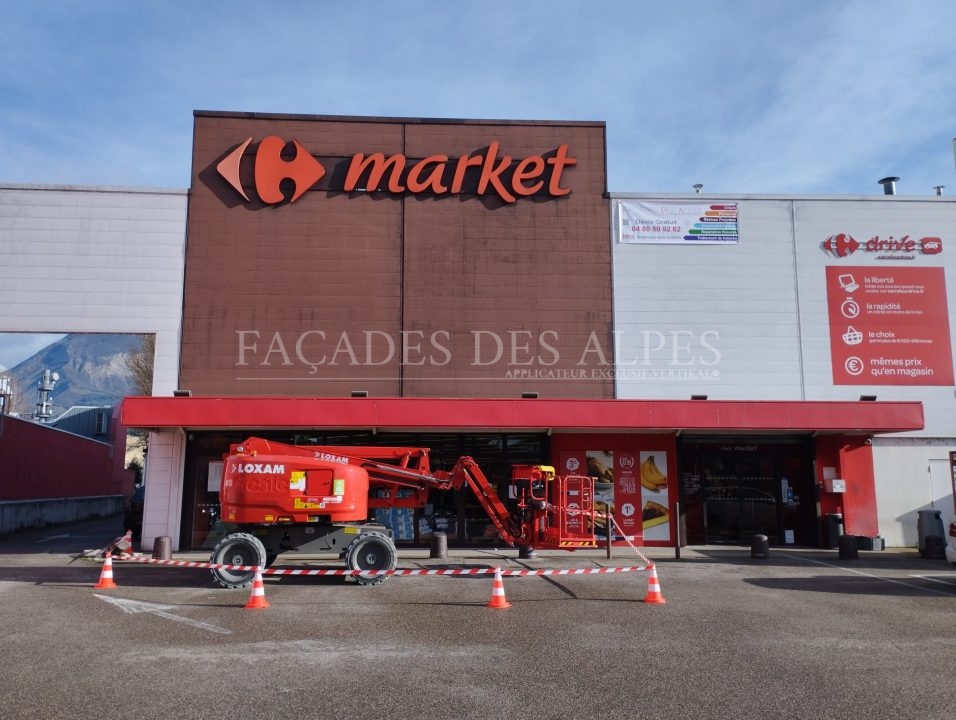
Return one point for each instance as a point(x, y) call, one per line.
point(472, 287)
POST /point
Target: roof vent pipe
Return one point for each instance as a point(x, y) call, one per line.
point(889, 185)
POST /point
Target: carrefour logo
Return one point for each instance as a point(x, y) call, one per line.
point(843, 244)
point(486, 172)
point(270, 169)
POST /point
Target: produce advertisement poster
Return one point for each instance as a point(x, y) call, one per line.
point(889, 326)
point(632, 484)
point(655, 506)
point(677, 222)
point(600, 466)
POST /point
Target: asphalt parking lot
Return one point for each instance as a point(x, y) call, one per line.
point(801, 634)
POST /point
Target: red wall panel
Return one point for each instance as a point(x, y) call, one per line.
point(852, 458)
point(38, 462)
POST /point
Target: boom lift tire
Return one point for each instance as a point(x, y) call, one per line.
point(238, 549)
point(371, 551)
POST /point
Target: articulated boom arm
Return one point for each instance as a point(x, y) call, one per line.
point(351, 454)
point(383, 477)
point(467, 472)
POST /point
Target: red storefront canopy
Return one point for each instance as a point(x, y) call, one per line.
point(466, 414)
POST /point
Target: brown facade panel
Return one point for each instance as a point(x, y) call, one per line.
point(523, 286)
point(214, 136)
point(390, 292)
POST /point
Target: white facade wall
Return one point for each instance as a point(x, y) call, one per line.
point(97, 260)
point(162, 506)
point(669, 300)
point(766, 297)
point(912, 474)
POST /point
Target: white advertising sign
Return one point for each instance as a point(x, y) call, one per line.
point(676, 223)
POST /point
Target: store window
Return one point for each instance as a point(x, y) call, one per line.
point(734, 488)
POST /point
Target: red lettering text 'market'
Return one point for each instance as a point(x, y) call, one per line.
point(497, 173)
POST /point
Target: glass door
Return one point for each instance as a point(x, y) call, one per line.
point(734, 488)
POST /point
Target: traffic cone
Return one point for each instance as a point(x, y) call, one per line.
point(653, 588)
point(106, 575)
point(498, 592)
point(125, 544)
point(257, 601)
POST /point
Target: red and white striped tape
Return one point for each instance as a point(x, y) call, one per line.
point(399, 571)
point(450, 571)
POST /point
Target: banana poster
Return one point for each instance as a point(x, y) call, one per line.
point(600, 466)
point(654, 495)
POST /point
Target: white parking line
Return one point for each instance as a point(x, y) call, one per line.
point(138, 606)
point(878, 577)
point(935, 579)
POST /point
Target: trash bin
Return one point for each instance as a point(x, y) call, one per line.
point(834, 529)
point(928, 522)
point(759, 547)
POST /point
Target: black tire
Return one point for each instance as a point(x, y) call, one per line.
point(371, 551)
point(237, 549)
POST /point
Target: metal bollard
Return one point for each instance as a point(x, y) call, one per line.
point(163, 548)
point(847, 548)
point(439, 546)
point(935, 547)
point(760, 547)
point(526, 552)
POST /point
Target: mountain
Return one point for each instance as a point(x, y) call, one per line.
point(92, 367)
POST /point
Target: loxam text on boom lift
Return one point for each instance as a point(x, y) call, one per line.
point(285, 498)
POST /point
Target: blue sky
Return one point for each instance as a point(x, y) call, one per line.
point(17, 347)
point(744, 96)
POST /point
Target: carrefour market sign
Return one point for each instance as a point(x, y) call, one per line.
point(488, 172)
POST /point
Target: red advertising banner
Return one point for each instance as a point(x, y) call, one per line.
point(889, 326)
point(627, 496)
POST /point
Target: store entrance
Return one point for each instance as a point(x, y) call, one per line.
point(733, 488)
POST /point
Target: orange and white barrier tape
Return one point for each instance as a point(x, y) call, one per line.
point(398, 572)
point(630, 544)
